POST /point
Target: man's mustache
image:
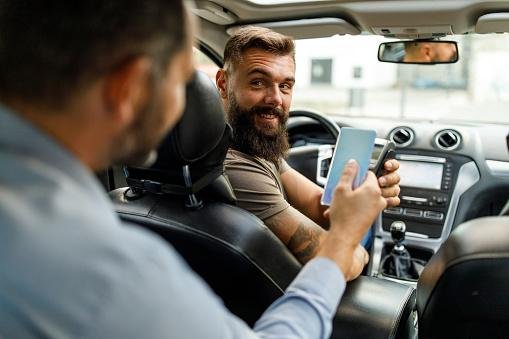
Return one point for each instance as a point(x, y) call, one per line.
point(281, 114)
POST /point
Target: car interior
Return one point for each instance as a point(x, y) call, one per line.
point(439, 261)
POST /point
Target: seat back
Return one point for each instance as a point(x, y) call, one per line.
point(463, 291)
point(231, 249)
point(186, 198)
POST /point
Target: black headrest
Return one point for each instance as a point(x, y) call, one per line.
point(200, 129)
point(200, 139)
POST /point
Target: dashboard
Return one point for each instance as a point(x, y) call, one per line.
point(450, 173)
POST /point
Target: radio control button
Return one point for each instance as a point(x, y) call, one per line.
point(393, 210)
point(440, 200)
point(433, 215)
point(412, 212)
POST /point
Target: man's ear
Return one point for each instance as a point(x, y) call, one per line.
point(222, 83)
point(427, 52)
point(126, 89)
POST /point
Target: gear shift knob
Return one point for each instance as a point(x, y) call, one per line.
point(398, 229)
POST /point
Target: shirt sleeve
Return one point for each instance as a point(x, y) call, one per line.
point(283, 166)
point(308, 306)
point(255, 188)
point(161, 297)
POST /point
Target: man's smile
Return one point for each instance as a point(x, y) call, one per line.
point(266, 121)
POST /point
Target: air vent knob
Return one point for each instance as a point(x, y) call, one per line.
point(402, 136)
point(448, 139)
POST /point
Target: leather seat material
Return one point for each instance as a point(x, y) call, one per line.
point(375, 308)
point(199, 130)
point(230, 248)
point(463, 291)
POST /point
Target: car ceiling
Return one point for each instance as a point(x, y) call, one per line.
point(400, 18)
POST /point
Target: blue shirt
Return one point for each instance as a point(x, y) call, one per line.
point(70, 269)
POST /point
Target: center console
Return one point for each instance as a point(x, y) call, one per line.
point(431, 186)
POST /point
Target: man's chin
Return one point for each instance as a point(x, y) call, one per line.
point(269, 130)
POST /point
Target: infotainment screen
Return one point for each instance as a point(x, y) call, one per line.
point(420, 174)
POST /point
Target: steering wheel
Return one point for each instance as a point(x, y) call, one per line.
point(312, 159)
point(327, 123)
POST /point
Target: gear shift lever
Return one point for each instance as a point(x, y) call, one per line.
point(398, 229)
point(398, 263)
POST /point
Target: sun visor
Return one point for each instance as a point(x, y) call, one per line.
point(493, 23)
point(308, 28)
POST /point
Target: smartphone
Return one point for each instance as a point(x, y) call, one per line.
point(383, 150)
point(353, 143)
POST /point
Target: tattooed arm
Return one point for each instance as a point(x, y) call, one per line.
point(304, 238)
point(304, 195)
point(299, 233)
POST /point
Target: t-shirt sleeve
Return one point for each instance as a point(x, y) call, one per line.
point(283, 166)
point(255, 188)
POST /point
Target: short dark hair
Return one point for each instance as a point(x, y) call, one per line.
point(50, 49)
point(256, 37)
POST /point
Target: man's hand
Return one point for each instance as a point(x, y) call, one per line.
point(359, 260)
point(351, 214)
point(389, 182)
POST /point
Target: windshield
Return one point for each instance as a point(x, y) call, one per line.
point(341, 76)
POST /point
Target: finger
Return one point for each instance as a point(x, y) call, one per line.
point(371, 180)
point(391, 165)
point(326, 214)
point(390, 179)
point(364, 256)
point(393, 201)
point(392, 191)
point(349, 174)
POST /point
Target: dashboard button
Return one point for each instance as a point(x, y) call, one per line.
point(412, 212)
point(393, 210)
point(433, 215)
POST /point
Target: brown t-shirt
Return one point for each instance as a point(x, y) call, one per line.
point(256, 183)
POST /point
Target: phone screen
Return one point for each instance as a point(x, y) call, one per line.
point(353, 143)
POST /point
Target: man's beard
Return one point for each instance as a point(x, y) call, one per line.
point(266, 143)
point(138, 144)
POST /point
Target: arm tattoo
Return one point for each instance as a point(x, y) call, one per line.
point(300, 234)
point(304, 243)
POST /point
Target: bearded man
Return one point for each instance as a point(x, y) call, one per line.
point(256, 86)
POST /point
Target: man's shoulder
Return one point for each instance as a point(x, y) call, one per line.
point(237, 156)
point(239, 160)
point(71, 266)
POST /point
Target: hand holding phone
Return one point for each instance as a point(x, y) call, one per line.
point(383, 150)
point(353, 143)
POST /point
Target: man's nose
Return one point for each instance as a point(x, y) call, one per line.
point(273, 96)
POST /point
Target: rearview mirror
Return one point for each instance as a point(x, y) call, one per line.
point(419, 52)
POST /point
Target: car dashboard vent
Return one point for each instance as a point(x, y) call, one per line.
point(448, 139)
point(402, 136)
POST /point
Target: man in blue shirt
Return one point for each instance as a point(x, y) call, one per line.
point(88, 84)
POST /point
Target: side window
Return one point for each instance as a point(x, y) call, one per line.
point(203, 63)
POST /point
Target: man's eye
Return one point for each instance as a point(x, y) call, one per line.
point(257, 83)
point(286, 87)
